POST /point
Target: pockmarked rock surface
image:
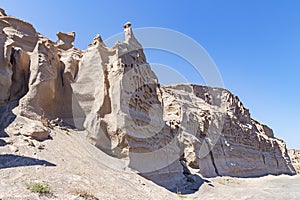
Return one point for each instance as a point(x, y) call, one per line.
point(219, 135)
point(171, 135)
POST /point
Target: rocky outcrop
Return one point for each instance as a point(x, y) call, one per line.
point(219, 136)
point(121, 108)
point(17, 39)
point(37, 69)
point(295, 158)
point(65, 40)
point(29, 128)
point(113, 96)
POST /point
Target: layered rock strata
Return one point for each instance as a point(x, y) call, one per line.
point(295, 158)
point(113, 95)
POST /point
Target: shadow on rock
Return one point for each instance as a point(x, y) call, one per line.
point(7, 116)
point(2, 143)
point(10, 160)
point(190, 185)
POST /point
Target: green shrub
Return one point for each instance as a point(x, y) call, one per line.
point(41, 188)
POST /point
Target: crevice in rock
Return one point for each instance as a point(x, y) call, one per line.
point(212, 156)
point(12, 59)
point(223, 150)
point(20, 64)
point(214, 163)
point(277, 163)
point(61, 73)
point(264, 159)
point(106, 107)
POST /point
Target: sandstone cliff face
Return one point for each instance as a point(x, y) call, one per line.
point(35, 67)
point(119, 104)
point(219, 135)
point(295, 158)
point(113, 95)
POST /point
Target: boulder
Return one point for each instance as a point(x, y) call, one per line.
point(36, 132)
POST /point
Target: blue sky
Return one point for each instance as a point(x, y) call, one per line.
point(254, 43)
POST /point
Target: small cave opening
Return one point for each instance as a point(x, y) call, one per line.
point(12, 59)
point(20, 64)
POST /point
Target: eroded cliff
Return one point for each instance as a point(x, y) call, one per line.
point(115, 98)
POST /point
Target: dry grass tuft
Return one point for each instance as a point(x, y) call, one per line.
point(84, 194)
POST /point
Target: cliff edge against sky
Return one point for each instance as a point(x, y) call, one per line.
point(111, 103)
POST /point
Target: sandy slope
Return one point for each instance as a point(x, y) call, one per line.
point(75, 168)
point(67, 163)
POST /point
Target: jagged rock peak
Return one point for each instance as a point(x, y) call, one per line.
point(129, 36)
point(98, 39)
point(128, 31)
point(2, 12)
point(65, 40)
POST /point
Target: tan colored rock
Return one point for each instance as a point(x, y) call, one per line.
point(295, 158)
point(214, 119)
point(36, 71)
point(65, 40)
point(120, 107)
point(36, 132)
point(2, 12)
point(17, 38)
point(113, 96)
point(29, 128)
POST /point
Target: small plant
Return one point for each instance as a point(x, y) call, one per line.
point(41, 188)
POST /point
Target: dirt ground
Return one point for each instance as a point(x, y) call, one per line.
point(73, 168)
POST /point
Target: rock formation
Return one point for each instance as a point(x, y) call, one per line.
point(113, 95)
point(219, 135)
point(295, 158)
